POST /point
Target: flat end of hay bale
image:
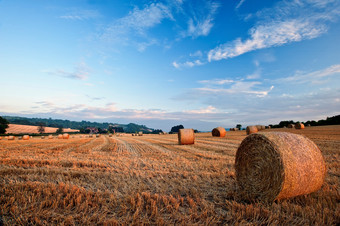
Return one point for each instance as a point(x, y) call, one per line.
point(278, 165)
point(186, 136)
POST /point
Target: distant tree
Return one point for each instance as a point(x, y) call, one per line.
point(175, 129)
point(239, 126)
point(3, 125)
point(41, 127)
point(60, 130)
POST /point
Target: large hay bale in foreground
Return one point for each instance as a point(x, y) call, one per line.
point(277, 165)
point(251, 129)
point(66, 136)
point(299, 126)
point(186, 136)
point(219, 132)
point(25, 137)
point(11, 138)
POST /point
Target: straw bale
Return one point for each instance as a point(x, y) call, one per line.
point(140, 133)
point(251, 129)
point(26, 137)
point(186, 136)
point(20, 138)
point(299, 126)
point(11, 138)
point(66, 136)
point(97, 135)
point(110, 135)
point(42, 137)
point(291, 126)
point(60, 136)
point(218, 132)
point(50, 137)
point(276, 165)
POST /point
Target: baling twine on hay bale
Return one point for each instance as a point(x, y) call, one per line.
point(218, 132)
point(277, 165)
point(186, 136)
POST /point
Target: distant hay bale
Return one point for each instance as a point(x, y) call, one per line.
point(26, 137)
point(90, 136)
point(299, 126)
point(140, 133)
point(308, 125)
point(251, 129)
point(0, 138)
point(20, 138)
point(11, 138)
point(133, 134)
point(66, 136)
point(60, 136)
point(97, 135)
point(277, 165)
point(110, 135)
point(291, 126)
point(42, 137)
point(186, 136)
point(50, 137)
point(219, 132)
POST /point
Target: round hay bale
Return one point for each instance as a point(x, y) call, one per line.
point(308, 125)
point(50, 137)
point(140, 133)
point(60, 136)
point(20, 138)
point(291, 126)
point(11, 138)
point(299, 126)
point(251, 129)
point(42, 137)
point(0, 138)
point(186, 136)
point(90, 135)
point(110, 135)
point(219, 132)
point(26, 137)
point(277, 165)
point(259, 127)
point(66, 136)
point(97, 135)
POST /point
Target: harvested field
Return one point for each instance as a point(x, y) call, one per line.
point(150, 179)
point(21, 129)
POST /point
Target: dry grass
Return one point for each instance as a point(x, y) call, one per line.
point(150, 179)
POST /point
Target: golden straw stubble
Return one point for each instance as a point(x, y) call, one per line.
point(186, 136)
point(277, 165)
point(219, 132)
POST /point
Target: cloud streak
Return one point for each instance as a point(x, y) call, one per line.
point(81, 72)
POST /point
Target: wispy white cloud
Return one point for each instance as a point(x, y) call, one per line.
point(81, 72)
point(200, 24)
point(137, 22)
point(312, 77)
point(78, 14)
point(273, 34)
point(217, 81)
point(288, 21)
point(239, 4)
point(187, 64)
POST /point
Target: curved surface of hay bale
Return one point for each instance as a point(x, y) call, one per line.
point(60, 136)
point(291, 126)
point(299, 126)
point(219, 132)
point(186, 136)
point(251, 129)
point(277, 165)
point(11, 138)
point(25, 137)
point(66, 136)
point(50, 137)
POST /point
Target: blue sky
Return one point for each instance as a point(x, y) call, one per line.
point(162, 63)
